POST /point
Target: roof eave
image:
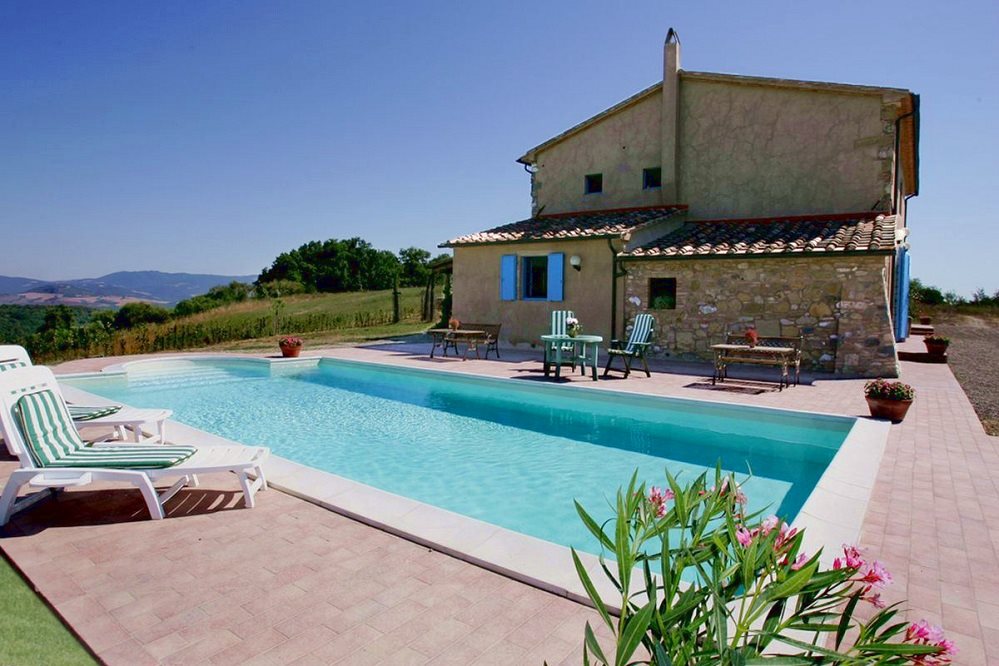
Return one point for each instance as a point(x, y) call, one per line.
point(530, 157)
point(521, 241)
point(751, 255)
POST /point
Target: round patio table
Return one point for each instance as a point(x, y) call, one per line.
point(582, 350)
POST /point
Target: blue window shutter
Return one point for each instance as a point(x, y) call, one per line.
point(508, 277)
point(556, 263)
point(902, 295)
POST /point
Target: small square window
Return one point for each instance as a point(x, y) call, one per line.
point(652, 178)
point(593, 183)
point(535, 277)
point(662, 293)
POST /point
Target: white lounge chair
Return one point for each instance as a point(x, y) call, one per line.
point(39, 430)
point(118, 417)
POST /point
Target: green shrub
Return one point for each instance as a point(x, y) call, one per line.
point(701, 582)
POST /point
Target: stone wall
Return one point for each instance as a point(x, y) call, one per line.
point(838, 304)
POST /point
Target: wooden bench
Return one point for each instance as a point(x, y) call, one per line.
point(490, 339)
point(777, 351)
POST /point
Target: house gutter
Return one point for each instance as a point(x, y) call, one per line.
point(617, 271)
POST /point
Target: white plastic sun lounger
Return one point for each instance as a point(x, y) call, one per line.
point(118, 417)
point(37, 427)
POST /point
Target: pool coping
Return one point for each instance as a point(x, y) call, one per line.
point(831, 515)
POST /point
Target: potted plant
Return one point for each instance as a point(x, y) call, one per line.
point(936, 345)
point(453, 323)
point(925, 320)
point(290, 346)
point(572, 326)
point(888, 400)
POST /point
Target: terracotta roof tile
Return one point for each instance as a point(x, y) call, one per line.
point(779, 236)
point(563, 226)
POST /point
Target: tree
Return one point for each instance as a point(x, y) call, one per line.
point(137, 314)
point(925, 294)
point(414, 267)
point(58, 318)
point(334, 265)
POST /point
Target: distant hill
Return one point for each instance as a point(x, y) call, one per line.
point(112, 290)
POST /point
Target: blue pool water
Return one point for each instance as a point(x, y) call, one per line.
point(512, 453)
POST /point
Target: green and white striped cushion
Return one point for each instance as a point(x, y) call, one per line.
point(53, 441)
point(639, 332)
point(558, 321)
point(11, 365)
point(89, 413)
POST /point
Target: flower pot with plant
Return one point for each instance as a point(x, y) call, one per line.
point(936, 345)
point(290, 346)
point(888, 400)
point(572, 326)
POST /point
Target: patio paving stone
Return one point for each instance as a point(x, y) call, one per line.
point(290, 582)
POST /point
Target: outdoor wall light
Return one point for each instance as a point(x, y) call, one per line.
point(576, 262)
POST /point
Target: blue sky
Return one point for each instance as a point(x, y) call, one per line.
point(210, 136)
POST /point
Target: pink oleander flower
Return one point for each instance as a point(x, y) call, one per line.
point(658, 498)
point(949, 648)
point(851, 558)
point(918, 631)
point(744, 536)
point(786, 534)
point(875, 600)
point(875, 575)
point(769, 524)
point(923, 633)
point(798, 563)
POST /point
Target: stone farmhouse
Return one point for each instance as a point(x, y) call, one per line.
point(715, 202)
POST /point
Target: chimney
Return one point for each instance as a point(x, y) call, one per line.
point(670, 117)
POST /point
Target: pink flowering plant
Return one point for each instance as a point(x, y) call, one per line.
point(700, 581)
point(886, 390)
point(290, 341)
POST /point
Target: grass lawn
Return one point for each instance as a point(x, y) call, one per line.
point(306, 304)
point(30, 633)
point(329, 338)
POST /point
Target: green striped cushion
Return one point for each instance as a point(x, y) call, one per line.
point(639, 332)
point(11, 365)
point(53, 441)
point(89, 413)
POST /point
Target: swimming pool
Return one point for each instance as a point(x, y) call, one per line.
point(511, 453)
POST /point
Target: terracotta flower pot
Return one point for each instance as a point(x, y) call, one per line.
point(936, 348)
point(291, 351)
point(893, 410)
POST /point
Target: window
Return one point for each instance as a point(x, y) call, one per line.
point(652, 178)
point(593, 183)
point(535, 278)
point(532, 277)
point(662, 293)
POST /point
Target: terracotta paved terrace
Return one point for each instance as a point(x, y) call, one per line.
point(290, 582)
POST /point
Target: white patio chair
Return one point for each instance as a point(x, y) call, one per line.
point(37, 427)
